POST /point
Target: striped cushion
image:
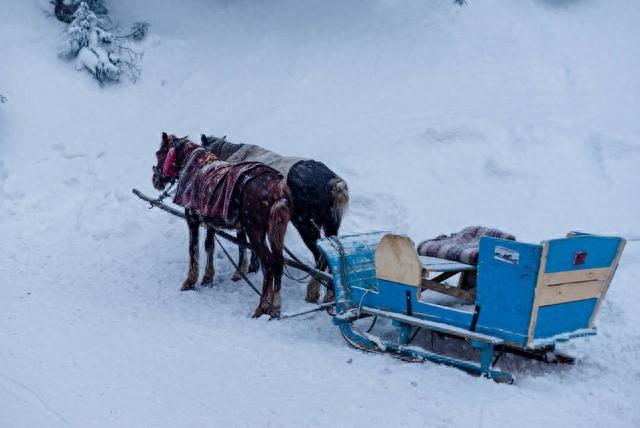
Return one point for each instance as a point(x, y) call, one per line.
point(463, 246)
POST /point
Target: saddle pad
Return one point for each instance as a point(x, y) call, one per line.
point(251, 152)
point(462, 246)
point(213, 187)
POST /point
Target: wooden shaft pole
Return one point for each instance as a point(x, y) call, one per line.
point(319, 275)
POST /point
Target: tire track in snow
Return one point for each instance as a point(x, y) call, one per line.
point(19, 389)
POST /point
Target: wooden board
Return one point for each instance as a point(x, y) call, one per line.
point(561, 320)
point(563, 293)
point(435, 326)
point(584, 275)
point(612, 271)
point(599, 252)
point(397, 260)
point(536, 298)
point(571, 292)
point(507, 275)
point(449, 290)
point(435, 264)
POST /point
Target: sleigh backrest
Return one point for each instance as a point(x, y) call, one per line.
point(532, 294)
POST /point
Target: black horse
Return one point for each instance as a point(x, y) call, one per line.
point(320, 197)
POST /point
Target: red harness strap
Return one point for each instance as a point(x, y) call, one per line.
point(169, 166)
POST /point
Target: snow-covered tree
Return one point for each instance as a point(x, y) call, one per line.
point(103, 54)
point(64, 9)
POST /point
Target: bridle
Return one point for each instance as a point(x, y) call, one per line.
point(159, 172)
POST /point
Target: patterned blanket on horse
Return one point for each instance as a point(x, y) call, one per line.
point(462, 246)
point(235, 153)
point(213, 187)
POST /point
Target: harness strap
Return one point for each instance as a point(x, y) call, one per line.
point(253, 287)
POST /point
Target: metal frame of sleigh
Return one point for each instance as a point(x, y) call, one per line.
point(521, 298)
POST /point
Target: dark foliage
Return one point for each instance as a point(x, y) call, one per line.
point(64, 9)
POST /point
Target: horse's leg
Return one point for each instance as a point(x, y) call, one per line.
point(310, 234)
point(259, 245)
point(330, 229)
point(194, 226)
point(209, 247)
point(277, 267)
point(254, 265)
point(264, 219)
point(243, 262)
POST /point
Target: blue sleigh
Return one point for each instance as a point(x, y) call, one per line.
point(524, 298)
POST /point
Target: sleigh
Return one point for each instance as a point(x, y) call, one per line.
point(521, 298)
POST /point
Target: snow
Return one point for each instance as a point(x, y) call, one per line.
point(517, 115)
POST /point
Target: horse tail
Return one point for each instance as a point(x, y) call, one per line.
point(279, 215)
point(339, 200)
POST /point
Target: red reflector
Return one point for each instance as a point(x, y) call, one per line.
point(580, 258)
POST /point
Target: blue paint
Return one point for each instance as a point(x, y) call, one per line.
point(486, 354)
point(506, 285)
point(565, 317)
point(359, 270)
point(505, 291)
point(405, 332)
point(483, 368)
point(391, 297)
point(601, 250)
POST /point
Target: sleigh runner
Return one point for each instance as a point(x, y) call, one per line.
point(527, 297)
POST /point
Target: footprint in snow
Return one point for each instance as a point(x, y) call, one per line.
point(66, 154)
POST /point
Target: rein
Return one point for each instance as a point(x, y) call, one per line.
point(166, 193)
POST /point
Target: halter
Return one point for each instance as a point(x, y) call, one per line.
point(168, 173)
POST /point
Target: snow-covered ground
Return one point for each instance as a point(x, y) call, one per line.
point(517, 114)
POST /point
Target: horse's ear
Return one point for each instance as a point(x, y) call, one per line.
point(203, 139)
point(165, 138)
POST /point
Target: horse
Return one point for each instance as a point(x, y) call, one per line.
point(259, 205)
point(320, 197)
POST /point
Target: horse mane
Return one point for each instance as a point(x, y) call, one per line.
point(220, 147)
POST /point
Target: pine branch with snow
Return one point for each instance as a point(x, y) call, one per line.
point(139, 31)
point(107, 56)
point(64, 9)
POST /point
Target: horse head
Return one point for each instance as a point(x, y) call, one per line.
point(166, 167)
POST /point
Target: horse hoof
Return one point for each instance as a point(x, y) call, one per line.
point(329, 297)
point(236, 277)
point(207, 282)
point(274, 314)
point(313, 291)
point(187, 287)
point(312, 299)
point(258, 313)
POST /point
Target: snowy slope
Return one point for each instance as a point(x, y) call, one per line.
point(520, 115)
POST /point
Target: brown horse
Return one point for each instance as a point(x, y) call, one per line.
point(263, 210)
point(320, 199)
